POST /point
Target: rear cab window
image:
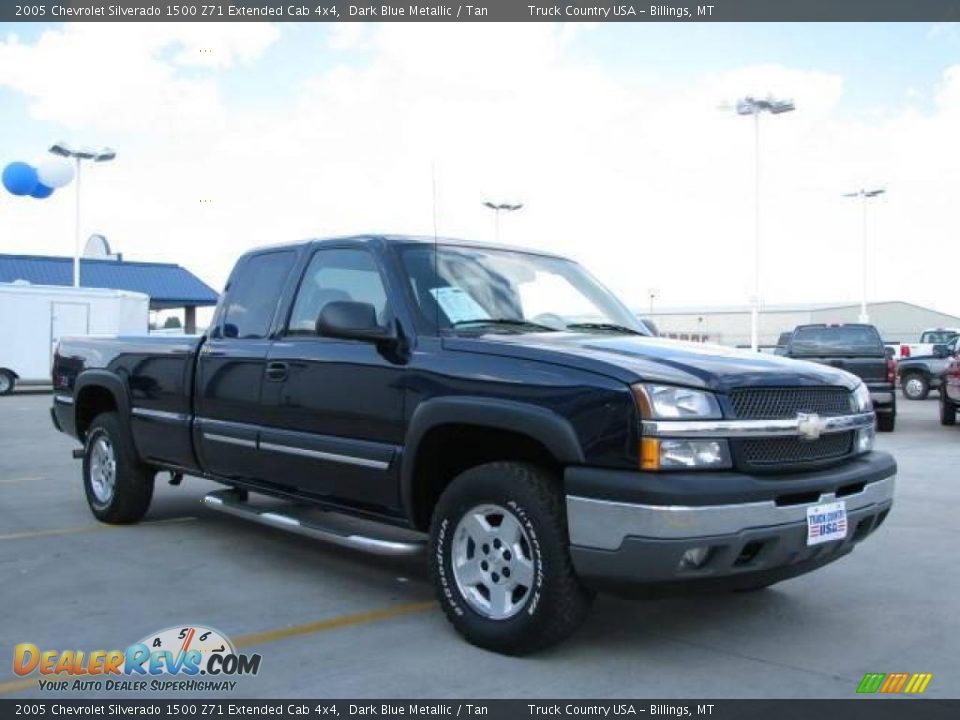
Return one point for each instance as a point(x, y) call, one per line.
point(254, 292)
point(842, 340)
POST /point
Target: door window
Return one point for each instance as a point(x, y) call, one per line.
point(253, 294)
point(337, 274)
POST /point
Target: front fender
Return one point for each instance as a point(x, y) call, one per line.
point(552, 431)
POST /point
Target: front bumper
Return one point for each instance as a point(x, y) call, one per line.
point(755, 527)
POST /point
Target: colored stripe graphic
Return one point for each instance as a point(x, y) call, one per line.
point(918, 683)
point(892, 683)
point(871, 682)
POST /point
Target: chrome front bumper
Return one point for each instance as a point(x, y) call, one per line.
point(604, 525)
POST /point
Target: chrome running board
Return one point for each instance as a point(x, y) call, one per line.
point(231, 503)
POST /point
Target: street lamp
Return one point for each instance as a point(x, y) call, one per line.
point(652, 294)
point(499, 208)
point(756, 106)
point(101, 154)
point(865, 195)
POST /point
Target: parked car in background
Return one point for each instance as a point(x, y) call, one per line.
point(782, 343)
point(928, 339)
point(858, 349)
point(919, 375)
point(950, 392)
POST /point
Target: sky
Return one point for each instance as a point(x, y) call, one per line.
point(231, 136)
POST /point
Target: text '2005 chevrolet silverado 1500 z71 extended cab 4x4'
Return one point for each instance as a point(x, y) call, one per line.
point(498, 407)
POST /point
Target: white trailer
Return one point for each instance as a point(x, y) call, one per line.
point(34, 317)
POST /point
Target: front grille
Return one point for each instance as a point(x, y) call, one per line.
point(785, 403)
point(777, 452)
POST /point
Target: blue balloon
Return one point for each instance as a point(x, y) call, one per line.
point(41, 191)
point(19, 178)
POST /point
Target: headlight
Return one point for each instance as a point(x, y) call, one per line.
point(861, 399)
point(677, 454)
point(865, 438)
point(665, 402)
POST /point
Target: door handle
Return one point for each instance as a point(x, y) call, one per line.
point(277, 371)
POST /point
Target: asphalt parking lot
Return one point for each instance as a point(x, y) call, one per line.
point(329, 623)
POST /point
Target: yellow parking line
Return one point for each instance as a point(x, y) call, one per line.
point(267, 636)
point(14, 685)
point(85, 528)
point(11, 481)
point(332, 623)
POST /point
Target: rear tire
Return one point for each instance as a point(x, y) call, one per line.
point(118, 486)
point(948, 411)
point(886, 422)
point(8, 381)
point(478, 563)
point(914, 386)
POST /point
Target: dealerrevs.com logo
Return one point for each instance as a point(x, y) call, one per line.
point(182, 658)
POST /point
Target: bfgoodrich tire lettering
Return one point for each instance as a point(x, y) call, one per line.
point(556, 603)
point(121, 494)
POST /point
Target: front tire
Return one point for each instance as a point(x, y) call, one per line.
point(948, 411)
point(500, 560)
point(8, 381)
point(118, 486)
point(914, 386)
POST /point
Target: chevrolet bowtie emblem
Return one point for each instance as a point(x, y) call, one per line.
point(810, 425)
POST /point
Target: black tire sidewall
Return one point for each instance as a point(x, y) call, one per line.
point(133, 485)
point(11, 382)
point(948, 411)
point(486, 485)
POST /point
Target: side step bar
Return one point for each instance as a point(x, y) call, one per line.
point(229, 502)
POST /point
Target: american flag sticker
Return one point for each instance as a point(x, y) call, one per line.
point(826, 522)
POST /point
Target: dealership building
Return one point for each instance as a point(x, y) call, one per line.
point(897, 321)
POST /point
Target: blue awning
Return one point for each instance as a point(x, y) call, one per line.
point(167, 284)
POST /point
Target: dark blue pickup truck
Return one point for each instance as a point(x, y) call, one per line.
point(497, 408)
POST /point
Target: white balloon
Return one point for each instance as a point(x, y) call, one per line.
point(55, 172)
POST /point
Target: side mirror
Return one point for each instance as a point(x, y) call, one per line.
point(889, 352)
point(350, 320)
point(941, 351)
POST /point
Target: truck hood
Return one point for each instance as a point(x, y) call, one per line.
point(634, 358)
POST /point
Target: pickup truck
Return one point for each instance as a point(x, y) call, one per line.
point(919, 375)
point(495, 408)
point(858, 349)
point(928, 340)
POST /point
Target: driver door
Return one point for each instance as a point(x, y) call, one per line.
point(332, 408)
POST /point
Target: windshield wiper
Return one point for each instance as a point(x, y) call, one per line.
point(512, 322)
point(608, 327)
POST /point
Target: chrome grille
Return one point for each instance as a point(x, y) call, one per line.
point(776, 452)
point(785, 403)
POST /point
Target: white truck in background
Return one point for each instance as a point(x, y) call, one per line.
point(928, 339)
point(34, 317)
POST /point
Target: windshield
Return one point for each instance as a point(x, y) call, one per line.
point(491, 290)
point(844, 340)
point(938, 337)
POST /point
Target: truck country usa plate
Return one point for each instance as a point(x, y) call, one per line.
point(826, 522)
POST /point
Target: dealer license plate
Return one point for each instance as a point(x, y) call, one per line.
point(826, 522)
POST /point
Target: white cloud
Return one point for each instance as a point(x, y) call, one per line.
point(643, 179)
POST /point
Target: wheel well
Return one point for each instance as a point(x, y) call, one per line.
point(448, 450)
point(93, 400)
point(12, 372)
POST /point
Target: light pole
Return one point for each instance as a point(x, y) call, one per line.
point(865, 195)
point(497, 209)
point(101, 154)
point(756, 106)
point(652, 294)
